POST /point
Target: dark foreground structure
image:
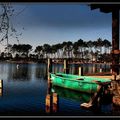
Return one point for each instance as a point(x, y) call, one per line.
point(115, 53)
point(114, 8)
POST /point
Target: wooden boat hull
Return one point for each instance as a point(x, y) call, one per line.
point(78, 83)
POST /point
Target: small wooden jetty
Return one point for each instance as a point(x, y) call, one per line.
point(102, 90)
point(114, 89)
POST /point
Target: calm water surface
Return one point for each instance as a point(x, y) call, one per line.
point(25, 90)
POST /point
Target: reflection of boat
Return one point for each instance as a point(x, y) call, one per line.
point(70, 94)
point(80, 83)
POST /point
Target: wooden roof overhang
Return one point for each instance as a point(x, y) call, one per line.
point(106, 8)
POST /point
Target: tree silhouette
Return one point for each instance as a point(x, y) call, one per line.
point(107, 45)
point(38, 50)
point(22, 49)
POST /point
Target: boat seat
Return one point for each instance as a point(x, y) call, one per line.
point(80, 79)
point(59, 75)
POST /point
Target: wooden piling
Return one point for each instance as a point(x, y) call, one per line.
point(48, 103)
point(51, 102)
point(66, 67)
point(80, 71)
point(55, 102)
point(93, 69)
point(1, 92)
point(111, 71)
point(115, 41)
point(1, 83)
point(49, 86)
point(51, 98)
point(1, 87)
point(49, 68)
point(100, 70)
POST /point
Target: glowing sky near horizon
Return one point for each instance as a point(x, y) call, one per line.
point(57, 22)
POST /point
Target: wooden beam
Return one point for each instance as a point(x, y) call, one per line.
point(115, 41)
point(109, 77)
point(115, 52)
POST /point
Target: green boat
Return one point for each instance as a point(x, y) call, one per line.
point(79, 83)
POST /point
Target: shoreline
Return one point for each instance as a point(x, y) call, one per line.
point(31, 62)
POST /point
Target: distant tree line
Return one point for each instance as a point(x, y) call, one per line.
point(98, 50)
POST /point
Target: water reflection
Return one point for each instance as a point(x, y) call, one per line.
point(22, 73)
point(70, 94)
point(87, 68)
point(57, 68)
point(21, 96)
point(41, 71)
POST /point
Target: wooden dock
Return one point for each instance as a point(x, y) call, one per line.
point(97, 95)
point(109, 77)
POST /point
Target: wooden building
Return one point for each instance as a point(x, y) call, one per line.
point(115, 53)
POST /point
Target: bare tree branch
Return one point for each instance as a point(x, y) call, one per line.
point(6, 26)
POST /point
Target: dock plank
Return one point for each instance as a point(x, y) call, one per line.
point(109, 77)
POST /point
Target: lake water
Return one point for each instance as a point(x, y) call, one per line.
point(25, 90)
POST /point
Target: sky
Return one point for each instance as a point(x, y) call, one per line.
point(53, 23)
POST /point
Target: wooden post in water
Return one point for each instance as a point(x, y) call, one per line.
point(93, 70)
point(100, 70)
point(48, 100)
point(51, 98)
point(66, 68)
point(49, 68)
point(1, 87)
point(1, 83)
point(80, 71)
point(48, 103)
point(52, 102)
point(111, 71)
point(55, 102)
